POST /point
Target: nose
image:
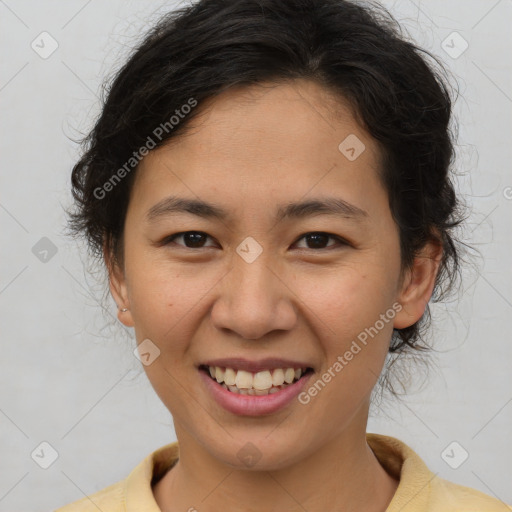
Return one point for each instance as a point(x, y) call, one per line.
point(254, 300)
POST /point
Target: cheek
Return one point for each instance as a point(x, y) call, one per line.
point(348, 300)
point(355, 341)
point(165, 298)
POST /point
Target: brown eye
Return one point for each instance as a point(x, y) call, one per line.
point(191, 239)
point(319, 240)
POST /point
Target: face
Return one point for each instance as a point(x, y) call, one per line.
point(255, 282)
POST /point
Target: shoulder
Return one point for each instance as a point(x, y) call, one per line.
point(449, 496)
point(421, 490)
point(135, 491)
point(110, 498)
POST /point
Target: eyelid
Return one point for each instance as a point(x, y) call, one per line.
point(170, 238)
point(341, 241)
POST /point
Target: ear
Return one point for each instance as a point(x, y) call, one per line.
point(418, 284)
point(118, 288)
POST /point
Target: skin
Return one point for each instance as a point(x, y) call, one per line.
point(251, 149)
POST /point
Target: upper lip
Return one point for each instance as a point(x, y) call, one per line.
point(269, 363)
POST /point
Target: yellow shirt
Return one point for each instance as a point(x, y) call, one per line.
point(419, 489)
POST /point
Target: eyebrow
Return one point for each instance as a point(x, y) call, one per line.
point(322, 206)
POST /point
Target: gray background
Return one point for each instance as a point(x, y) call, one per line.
point(67, 372)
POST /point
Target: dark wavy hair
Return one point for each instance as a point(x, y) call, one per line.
point(398, 91)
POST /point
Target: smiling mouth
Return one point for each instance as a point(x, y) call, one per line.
point(260, 383)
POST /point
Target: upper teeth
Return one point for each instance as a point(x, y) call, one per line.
point(263, 380)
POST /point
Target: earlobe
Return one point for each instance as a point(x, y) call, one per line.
point(418, 285)
point(118, 289)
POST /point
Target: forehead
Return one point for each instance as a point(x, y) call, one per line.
point(254, 143)
point(273, 118)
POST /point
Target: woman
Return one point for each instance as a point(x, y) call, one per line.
point(268, 185)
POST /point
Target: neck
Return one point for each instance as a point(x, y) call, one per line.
point(343, 475)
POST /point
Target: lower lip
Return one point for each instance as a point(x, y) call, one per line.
point(253, 405)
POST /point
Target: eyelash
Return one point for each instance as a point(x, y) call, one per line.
point(341, 242)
